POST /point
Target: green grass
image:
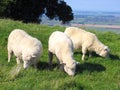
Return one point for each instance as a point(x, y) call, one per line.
point(95, 73)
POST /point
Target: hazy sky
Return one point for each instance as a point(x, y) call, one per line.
point(94, 5)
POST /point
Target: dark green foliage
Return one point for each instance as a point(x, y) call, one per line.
point(60, 11)
point(3, 5)
point(32, 10)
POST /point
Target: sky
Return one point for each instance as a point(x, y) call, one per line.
point(94, 5)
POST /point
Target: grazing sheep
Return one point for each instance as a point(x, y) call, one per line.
point(24, 47)
point(60, 45)
point(87, 41)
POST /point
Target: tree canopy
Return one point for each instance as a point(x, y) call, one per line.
point(32, 10)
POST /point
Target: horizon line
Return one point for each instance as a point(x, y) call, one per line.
point(95, 11)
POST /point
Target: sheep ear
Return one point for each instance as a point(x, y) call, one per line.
point(33, 56)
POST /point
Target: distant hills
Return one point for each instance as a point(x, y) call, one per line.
point(101, 18)
point(96, 13)
point(88, 17)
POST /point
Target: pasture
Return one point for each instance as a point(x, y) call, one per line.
point(95, 73)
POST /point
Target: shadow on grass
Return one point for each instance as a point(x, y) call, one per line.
point(114, 57)
point(45, 65)
point(90, 67)
point(79, 68)
point(87, 54)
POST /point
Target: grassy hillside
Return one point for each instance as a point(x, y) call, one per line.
point(94, 73)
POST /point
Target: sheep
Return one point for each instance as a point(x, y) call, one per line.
point(61, 46)
point(24, 47)
point(87, 41)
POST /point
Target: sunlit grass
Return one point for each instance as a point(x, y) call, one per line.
point(95, 73)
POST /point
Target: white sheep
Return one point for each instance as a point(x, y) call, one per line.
point(24, 47)
point(60, 45)
point(87, 41)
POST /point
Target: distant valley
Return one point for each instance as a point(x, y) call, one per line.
point(89, 17)
point(102, 18)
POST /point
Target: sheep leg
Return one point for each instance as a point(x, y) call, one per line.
point(58, 62)
point(90, 54)
point(18, 60)
point(60, 66)
point(35, 64)
point(50, 54)
point(9, 55)
point(84, 50)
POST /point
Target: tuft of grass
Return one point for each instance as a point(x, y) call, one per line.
point(95, 73)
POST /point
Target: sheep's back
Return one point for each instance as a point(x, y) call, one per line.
point(20, 41)
point(79, 36)
point(60, 44)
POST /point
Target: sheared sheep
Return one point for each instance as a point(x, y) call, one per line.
point(24, 47)
point(60, 45)
point(87, 41)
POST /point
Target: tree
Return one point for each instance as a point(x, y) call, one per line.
point(31, 10)
point(60, 10)
point(3, 5)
